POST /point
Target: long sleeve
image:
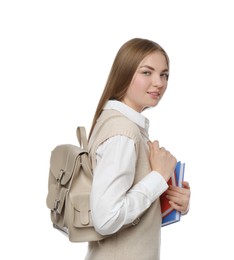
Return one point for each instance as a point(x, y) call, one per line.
point(114, 201)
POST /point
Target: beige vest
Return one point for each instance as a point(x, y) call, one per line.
point(142, 241)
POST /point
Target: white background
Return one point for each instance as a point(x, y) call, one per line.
point(54, 60)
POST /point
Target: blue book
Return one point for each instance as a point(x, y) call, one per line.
point(170, 215)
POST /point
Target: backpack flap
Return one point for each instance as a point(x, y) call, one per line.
point(56, 198)
point(63, 161)
point(82, 212)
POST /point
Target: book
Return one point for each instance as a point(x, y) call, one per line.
point(170, 215)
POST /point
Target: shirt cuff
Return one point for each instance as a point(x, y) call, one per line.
point(155, 185)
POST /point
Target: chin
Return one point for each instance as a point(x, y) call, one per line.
point(148, 107)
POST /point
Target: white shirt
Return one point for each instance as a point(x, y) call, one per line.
point(114, 201)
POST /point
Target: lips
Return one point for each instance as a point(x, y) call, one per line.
point(154, 94)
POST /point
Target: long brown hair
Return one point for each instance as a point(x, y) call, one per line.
point(123, 68)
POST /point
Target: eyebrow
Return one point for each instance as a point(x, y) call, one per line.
point(147, 66)
point(151, 68)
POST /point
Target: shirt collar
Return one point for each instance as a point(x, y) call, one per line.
point(130, 113)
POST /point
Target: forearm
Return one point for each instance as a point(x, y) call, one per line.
point(111, 213)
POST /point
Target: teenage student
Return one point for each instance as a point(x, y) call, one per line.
point(130, 171)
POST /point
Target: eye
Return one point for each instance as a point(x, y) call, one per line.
point(146, 72)
point(165, 75)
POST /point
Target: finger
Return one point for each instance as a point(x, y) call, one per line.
point(162, 149)
point(150, 145)
point(186, 185)
point(156, 144)
point(176, 199)
point(178, 192)
point(176, 206)
point(176, 189)
point(173, 193)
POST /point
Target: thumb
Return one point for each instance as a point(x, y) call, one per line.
point(186, 185)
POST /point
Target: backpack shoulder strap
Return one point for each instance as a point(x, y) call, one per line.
point(82, 137)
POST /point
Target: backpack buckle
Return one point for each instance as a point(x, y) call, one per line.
point(136, 221)
point(60, 176)
point(56, 205)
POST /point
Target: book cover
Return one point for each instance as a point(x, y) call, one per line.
point(170, 215)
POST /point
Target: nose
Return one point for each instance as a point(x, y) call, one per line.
point(158, 81)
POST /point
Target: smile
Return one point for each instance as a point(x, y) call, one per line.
point(154, 94)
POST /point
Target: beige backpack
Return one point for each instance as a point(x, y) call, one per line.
point(69, 186)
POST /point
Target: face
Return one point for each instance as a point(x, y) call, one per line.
point(149, 82)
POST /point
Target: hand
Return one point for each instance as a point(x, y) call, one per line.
point(161, 160)
point(179, 198)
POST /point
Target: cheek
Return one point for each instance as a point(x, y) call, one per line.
point(164, 90)
point(141, 81)
point(140, 84)
point(138, 87)
point(135, 87)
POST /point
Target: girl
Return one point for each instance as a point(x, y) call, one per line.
point(131, 172)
